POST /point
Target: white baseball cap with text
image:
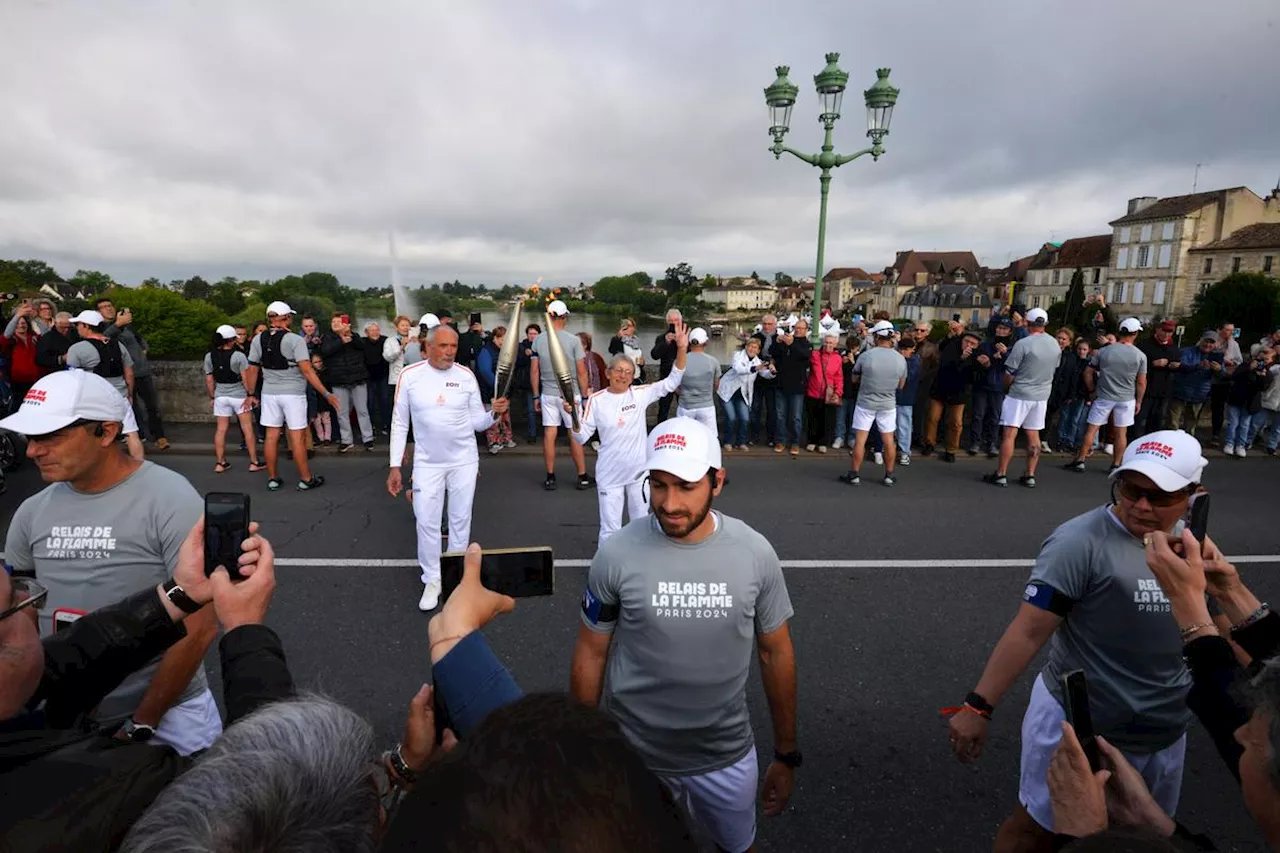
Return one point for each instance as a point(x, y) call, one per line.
point(1170, 458)
point(60, 399)
point(683, 447)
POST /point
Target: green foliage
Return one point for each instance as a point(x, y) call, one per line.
point(1249, 300)
point(781, 279)
point(196, 288)
point(91, 281)
point(225, 296)
point(34, 273)
point(621, 289)
point(175, 328)
point(678, 278)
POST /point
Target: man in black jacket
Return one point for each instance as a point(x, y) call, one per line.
point(791, 353)
point(51, 348)
point(344, 362)
point(764, 403)
point(664, 352)
point(69, 786)
point(1162, 364)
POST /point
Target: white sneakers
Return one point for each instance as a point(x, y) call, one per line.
point(1228, 450)
point(1242, 451)
point(837, 444)
point(430, 596)
point(879, 458)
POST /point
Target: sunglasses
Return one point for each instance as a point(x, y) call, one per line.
point(1133, 493)
point(27, 592)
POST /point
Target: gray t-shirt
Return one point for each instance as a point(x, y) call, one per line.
point(288, 382)
point(228, 389)
point(92, 550)
point(697, 389)
point(84, 355)
point(684, 637)
point(1118, 367)
point(1119, 631)
point(546, 373)
point(881, 369)
point(1032, 361)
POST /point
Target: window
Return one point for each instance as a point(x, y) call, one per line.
point(1137, 293)
point(1124, 292)
point(1035, 302)
point(1166, 252)
point(1266, 263)
point(1166, 233)
point(1144, 256)
point(1057, 276)
point(1208, 266)
point(1235, 264)
point(1204, 288)
point(1124, 234)
point(1117, 292)
point(1122, 259)
point(1157, 297)
point(1097, 274)
point(1146, 233)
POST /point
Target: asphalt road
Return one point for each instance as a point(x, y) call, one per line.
point(879, 649)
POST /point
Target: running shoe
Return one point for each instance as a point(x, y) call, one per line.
point(549, 484)
point(345, 448)
point(1027, 480)
point(274, 484)
point(1075, 465)
point(851, 478)
point(948, 456)
point(996, 479)
point(315, 482)
point(585, 481)
point(888, 480)
point(905, 460)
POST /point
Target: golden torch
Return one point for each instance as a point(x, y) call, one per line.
point(562, 368)
point(507, 355)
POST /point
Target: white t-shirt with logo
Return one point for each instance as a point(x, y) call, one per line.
point(446, 411)
point(624, 430)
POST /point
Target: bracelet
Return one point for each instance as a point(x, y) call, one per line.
point(1257, 616)
point(980, 704)
point(399, 766)
point(1191, 629)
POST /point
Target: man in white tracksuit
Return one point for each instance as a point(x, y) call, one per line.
point(701, 381)
point(442, 399)
point(618, 413)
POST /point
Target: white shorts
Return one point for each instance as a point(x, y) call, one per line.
point(130, 420)
point(705, 416)
point(228, 407)
point(722, 802)
point(1041, 731)
point(1027, 414)
point(281, 409)
point(1121, 412)
point(553, 413)
point(885, 421)
point(190, 726)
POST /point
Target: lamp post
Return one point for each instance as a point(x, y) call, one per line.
point(830, 83)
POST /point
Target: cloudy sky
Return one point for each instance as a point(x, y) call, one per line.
point(570, 139)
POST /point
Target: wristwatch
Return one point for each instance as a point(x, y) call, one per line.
point(178, 597)
point(790, 759)
point(137, 732)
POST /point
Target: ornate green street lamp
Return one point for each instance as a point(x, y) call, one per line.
point(830, 83)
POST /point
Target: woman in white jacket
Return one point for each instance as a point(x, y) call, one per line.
point(393, 349)
point(737, 388)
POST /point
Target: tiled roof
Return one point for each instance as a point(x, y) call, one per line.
point(910, 262)
point(1084, 252)
point(1177, 205)
point(1262, 235)
point(946, 295)
point(855, 273)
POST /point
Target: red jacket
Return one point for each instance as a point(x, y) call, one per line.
point(22, 358)
point(824, 369)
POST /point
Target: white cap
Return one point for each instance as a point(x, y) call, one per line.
point(279, 309)
point(683, 447)
point(89, 318)
point(698, 336)
point(430, 321)
point(884, 328)
point(1169, 458)
point(557, 308)
point(226, 332)
point(1037, 317)
point(1130, 325)
point(60, 399)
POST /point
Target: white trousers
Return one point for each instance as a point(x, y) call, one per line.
point(611, 501)
point(358, 396)
point(705, 416)
point(429, 487)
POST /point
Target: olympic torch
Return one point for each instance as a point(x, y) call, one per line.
point(562, 369)
point(507, 355)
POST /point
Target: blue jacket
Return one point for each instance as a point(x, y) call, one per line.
point(486, 369)
point(907, 393)
point(1191, 384)
point(992, 378)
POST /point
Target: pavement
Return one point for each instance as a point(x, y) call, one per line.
point(899, 595)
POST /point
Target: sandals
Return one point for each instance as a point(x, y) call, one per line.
point(255, 467)
point(222, 467)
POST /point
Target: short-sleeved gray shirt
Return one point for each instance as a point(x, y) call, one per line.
point(1119, 631)
point(1032, 361)
point(92, 550)
point(1118, 367)
point(697, 388)
point(84, 355)
point(228, 389)
point(882, 370)
point(288, 382)
point(683, 639)
point(546, 373)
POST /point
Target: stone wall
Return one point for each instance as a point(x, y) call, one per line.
point(180, 385)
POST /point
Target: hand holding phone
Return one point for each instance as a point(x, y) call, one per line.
point(1198, 516)
point(226, 526)
point(346, 319)
point(1076, 695)
point(514, 572)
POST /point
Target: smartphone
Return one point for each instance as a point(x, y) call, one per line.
point(671, 328)
point(346, 319)
point(473, 318)
point(1198, 516)
point(226, 525)
point(955, 317)
point(517, 572)
point(1076, 692)
point(1236, 333)
point(63, 619)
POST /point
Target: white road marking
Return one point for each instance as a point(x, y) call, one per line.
point(301, 562)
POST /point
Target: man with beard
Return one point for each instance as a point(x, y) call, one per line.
point(685, 592)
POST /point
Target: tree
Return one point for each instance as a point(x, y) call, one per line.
point(1250, 300)
point(11, 281)
point(781, 279)
point(709, 281)
point(1075, 293)
point(152, 282)
point(678, 278)
point(196, 289)
point(755, 276)
point(91, 281)
point(225, 296)
point(35, 274)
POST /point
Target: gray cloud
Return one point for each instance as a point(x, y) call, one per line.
point(575, 138)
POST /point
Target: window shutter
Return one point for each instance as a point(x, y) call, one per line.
point(1124, 292)
point(1122, 259)
point(1157, 298)
point(1146, 233)
point(1167, 232)
point(1137, 293)
point(1166, 251)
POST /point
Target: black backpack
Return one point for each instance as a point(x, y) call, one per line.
point(110, 359)
point(222, 372)
point(271, 342)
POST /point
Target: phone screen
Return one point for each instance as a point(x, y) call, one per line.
point(474, 318)
point(955, 317)
point(1076, 691)
point(517, 572)
point(226, 525)
point(346, 319)
point(671, 328)
point(1198, 516)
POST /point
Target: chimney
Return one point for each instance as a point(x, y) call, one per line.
point(1140, 203)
